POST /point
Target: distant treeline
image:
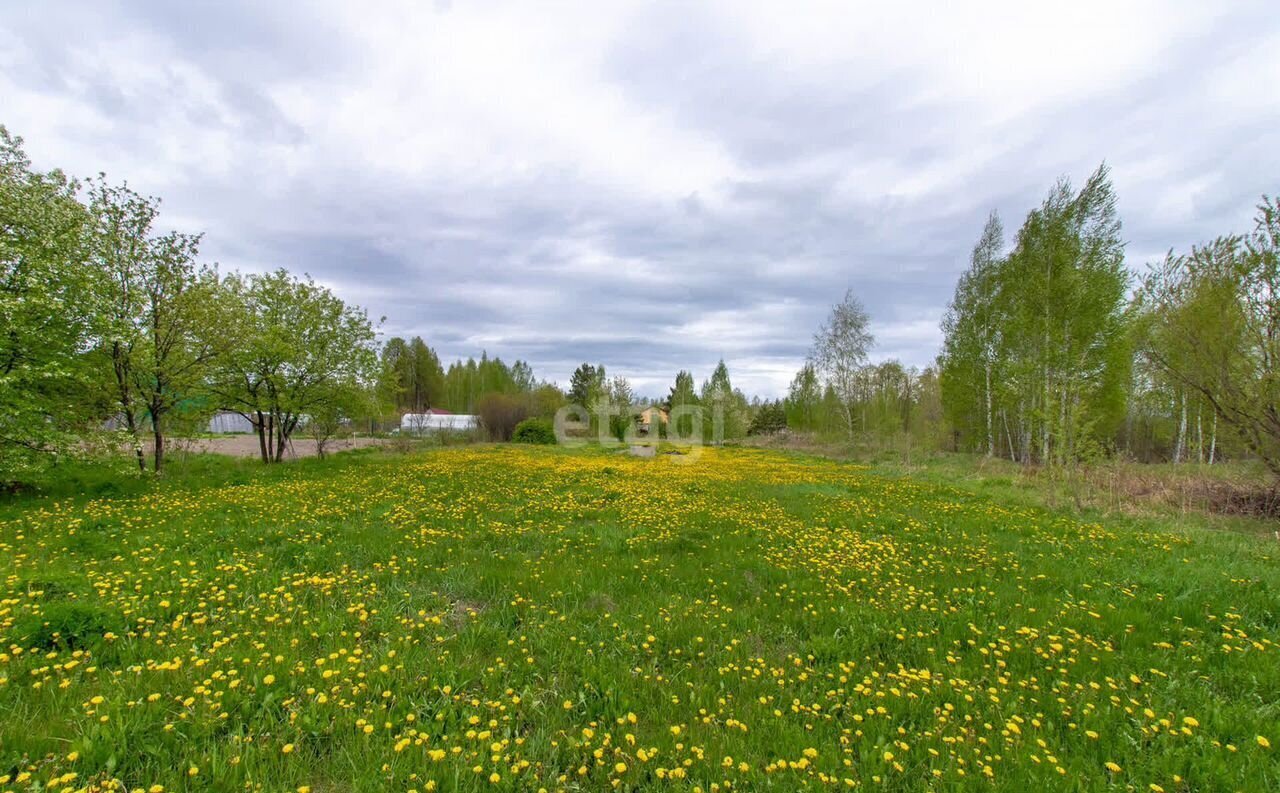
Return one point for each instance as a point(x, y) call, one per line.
point(1053, 353)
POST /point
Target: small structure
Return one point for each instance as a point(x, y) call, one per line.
point(437, 420)
point(650, 417)
point(228, 421)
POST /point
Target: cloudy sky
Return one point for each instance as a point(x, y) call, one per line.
point(653, 185)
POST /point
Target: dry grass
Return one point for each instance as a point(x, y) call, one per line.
point(1236, 489)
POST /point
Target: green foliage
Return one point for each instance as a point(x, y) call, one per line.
point(536, 431)
point(680, 402)
point(68, 625)
point(769, 418)
point(839, 354)
point(1210, 323)
point(411, 378)
point(48, 305)
point(724, 409)
point(587, 385)
point(164, 320)
point(299, 350)
point(465, 383)
point(1036, 341)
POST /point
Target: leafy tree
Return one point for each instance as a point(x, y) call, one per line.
point(48, 301)
point(725, 409)
point(426, 383)
point(300, 351)
point(679, 401)
point(584, 386)
point(771, 417)
point(840, 349)
point(1046, 327)
point(804, 399)
point(162, 327)
point(332, 418)
point(621, 397)
point(545, 400)
point(465, 383)
point(411, 376)
point(1213, 327)
point(971, 328)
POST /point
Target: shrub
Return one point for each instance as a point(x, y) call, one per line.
point(499, 414)
point(534, 431)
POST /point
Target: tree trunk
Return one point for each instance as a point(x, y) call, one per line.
point(1213, 437)
point(158, 435)
point(991, 440)
point(131, 422)
point(1182, 431)
point(261, 425)
point(1199, 436)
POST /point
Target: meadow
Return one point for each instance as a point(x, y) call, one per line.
point(507, 618)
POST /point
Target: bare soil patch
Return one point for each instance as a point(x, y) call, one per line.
point(247, 445)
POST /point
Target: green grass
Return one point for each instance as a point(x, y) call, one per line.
point(516, 618)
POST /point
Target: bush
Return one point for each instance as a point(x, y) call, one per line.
point(534, 431)
point(499, 414)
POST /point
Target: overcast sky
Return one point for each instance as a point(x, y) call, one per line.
point(649, 185)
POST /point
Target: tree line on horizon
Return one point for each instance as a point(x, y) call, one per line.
point(1053, 351)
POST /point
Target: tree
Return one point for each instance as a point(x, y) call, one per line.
point(1046, 327)
point(426, 381)
point(300, 351)
point(583, 386)
point(332, 418)
point(770, 418)
point(162, 328)
point(48, 301)
point(971, 329)
point(804, 399)
point(840, 349)
point(621, 396)
point(1212, 321)
point(465, 383)
point(727, 407)
point(680, 401)
point(545, 401)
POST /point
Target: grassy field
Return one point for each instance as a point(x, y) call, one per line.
point(502, 618)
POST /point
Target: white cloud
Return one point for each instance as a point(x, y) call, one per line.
point(652, 185)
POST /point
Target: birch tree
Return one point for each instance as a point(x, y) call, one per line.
point(840, 350)
point(1214, 319)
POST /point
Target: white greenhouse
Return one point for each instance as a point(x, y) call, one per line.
point(434, 422)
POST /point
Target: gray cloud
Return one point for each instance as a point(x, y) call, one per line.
point(651, 187)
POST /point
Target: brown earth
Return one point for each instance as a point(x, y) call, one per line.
point(247, 446)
